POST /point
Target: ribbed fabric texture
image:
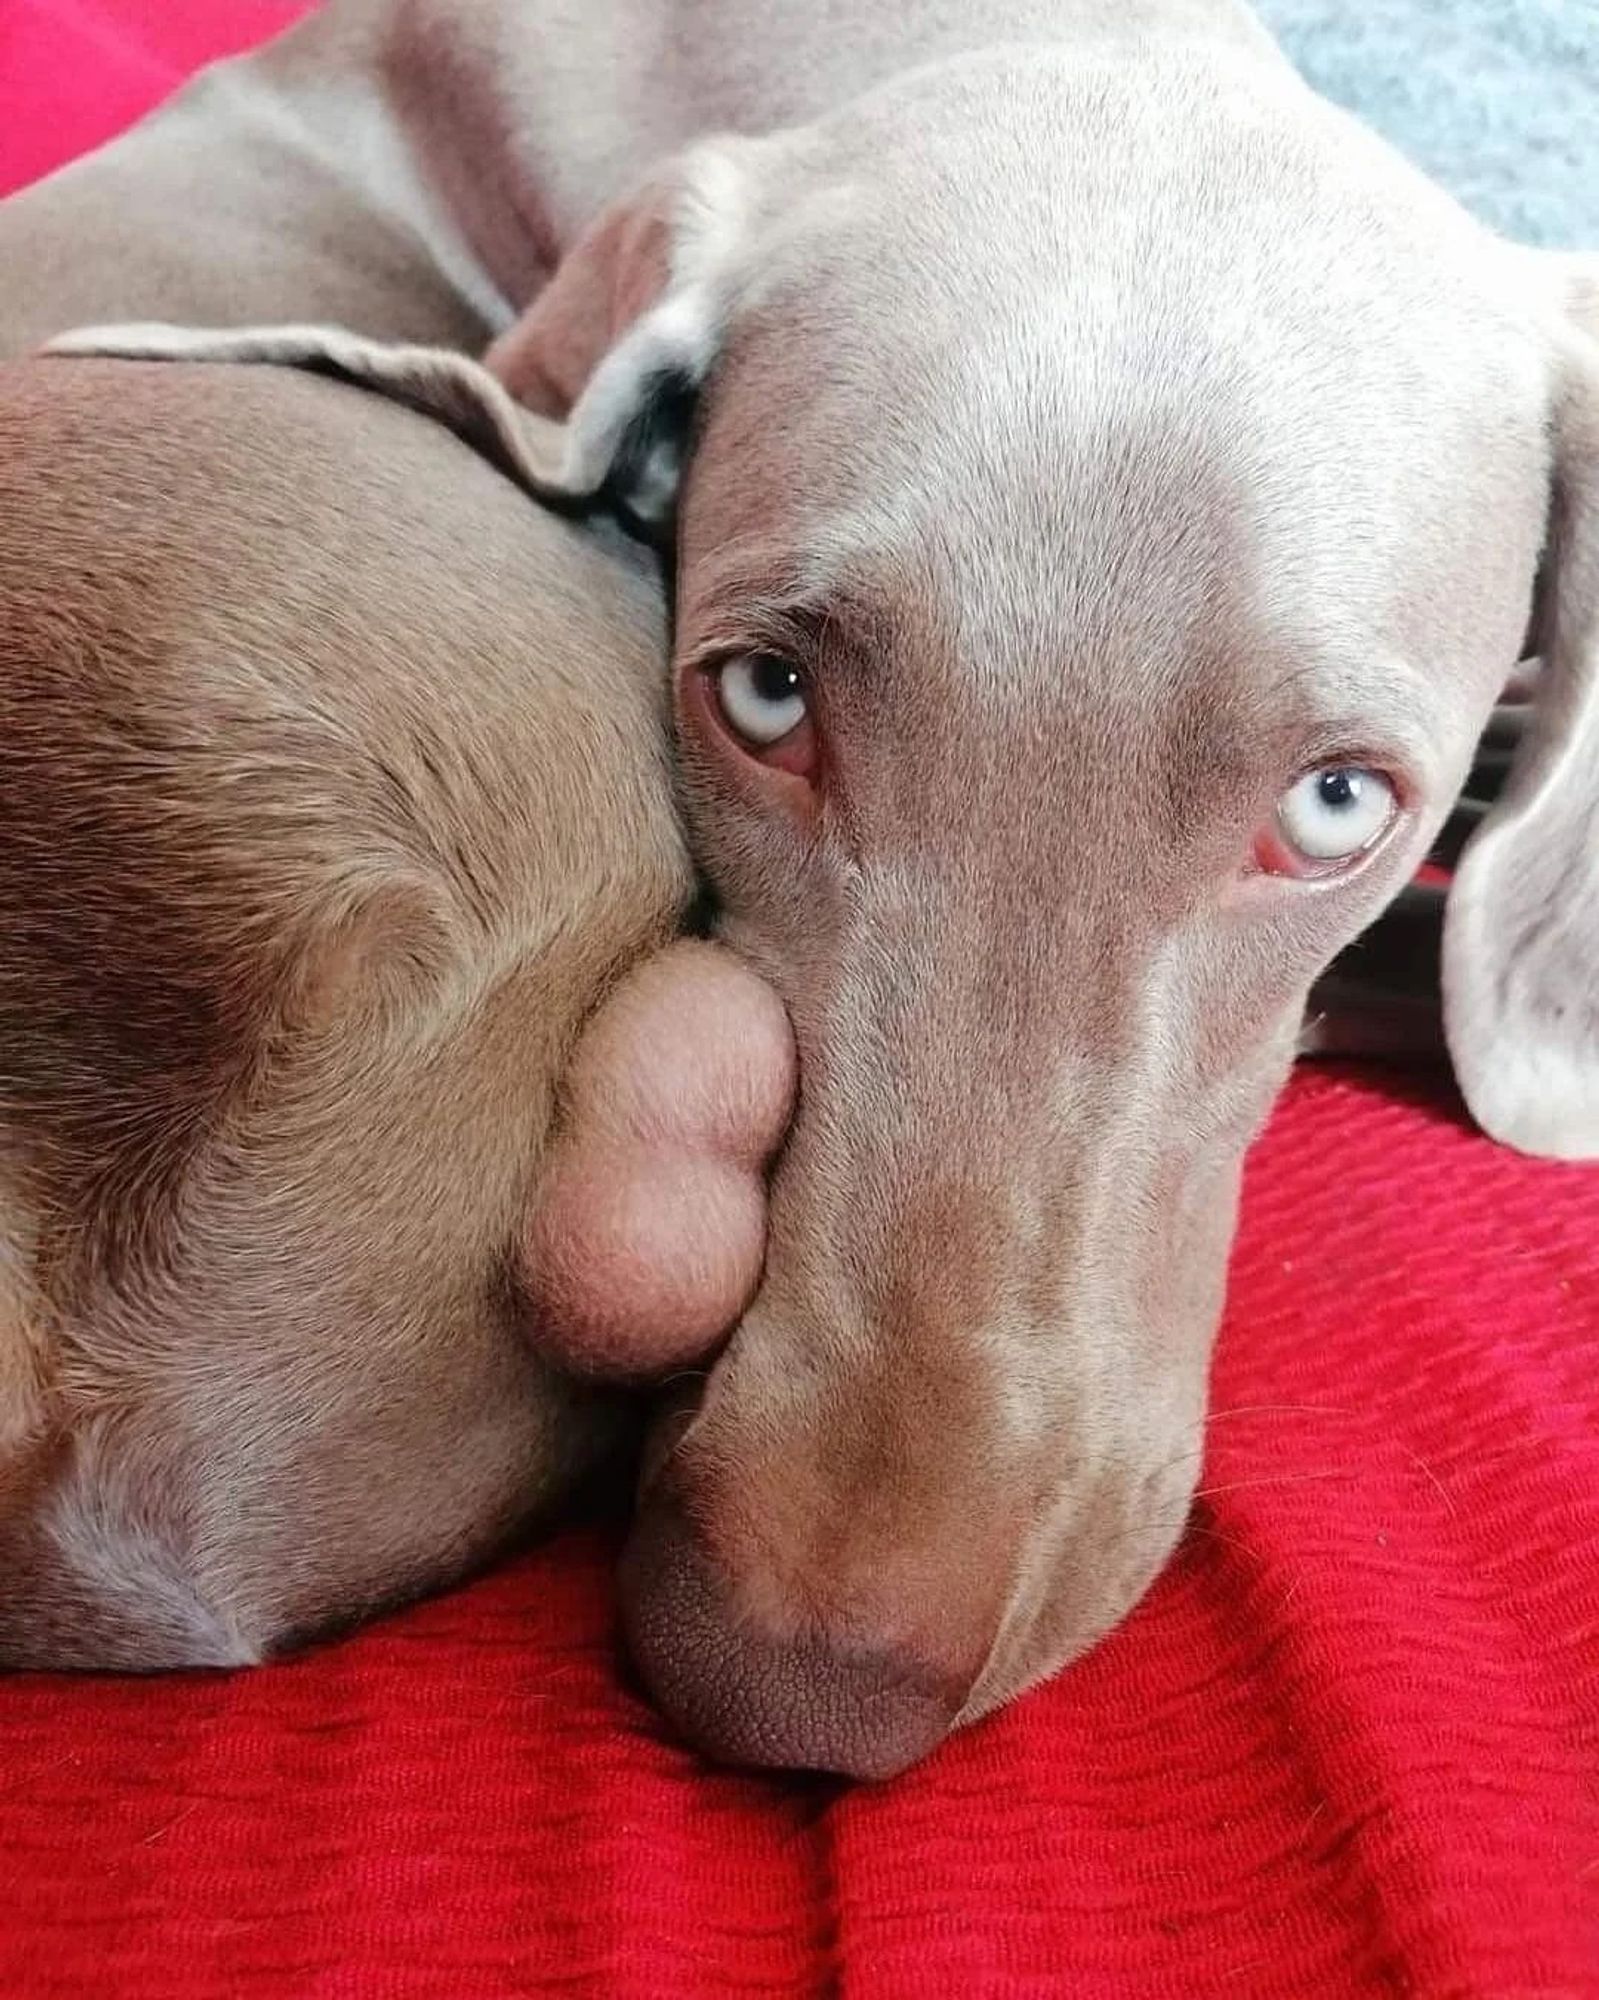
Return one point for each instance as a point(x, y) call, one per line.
point(1349, 1746)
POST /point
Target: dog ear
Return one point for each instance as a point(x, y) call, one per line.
point(622, 338)
point(452, 389)
point(1521, 931)
point(617, 344)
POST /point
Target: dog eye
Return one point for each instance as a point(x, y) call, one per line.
point(1335, 813)
point(762, 697)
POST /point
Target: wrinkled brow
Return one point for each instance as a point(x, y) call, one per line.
point(759, 607)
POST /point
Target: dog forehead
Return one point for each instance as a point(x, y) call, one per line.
point(983, 233)
point(1108, 437)
point(1125, 473)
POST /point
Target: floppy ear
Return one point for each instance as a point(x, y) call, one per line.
point(622, 338)
point(448, 387)
point(1521, 931)
point(617, 344)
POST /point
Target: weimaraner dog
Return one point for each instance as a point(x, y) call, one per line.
point(1109, 491)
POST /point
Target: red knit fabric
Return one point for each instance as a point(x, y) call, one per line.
point(1349, 1746)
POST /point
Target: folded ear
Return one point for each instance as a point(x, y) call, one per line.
point(1521, 932)
point(449, 387)
point(618, 344)
point(622, 338)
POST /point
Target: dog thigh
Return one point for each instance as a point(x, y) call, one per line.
point(319, 839)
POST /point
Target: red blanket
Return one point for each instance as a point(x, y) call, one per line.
point(1349, 1746)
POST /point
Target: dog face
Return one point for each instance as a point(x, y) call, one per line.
point(1113, 499)
point(1026, 875)
point(1102, 537)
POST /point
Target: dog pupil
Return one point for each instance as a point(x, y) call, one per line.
point(775, 679)
point(1339, 788)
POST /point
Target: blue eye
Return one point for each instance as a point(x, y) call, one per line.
point(1337, 812)
point(762, 696)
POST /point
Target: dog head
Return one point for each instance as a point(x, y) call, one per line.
point(1108, 505)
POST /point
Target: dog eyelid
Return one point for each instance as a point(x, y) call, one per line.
point(1327, 822)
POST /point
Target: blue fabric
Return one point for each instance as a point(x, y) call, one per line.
point(1497, 99)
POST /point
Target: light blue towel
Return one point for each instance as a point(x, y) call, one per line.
point(1497, 99)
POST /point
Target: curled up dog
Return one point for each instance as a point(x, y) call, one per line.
point(1109, 491)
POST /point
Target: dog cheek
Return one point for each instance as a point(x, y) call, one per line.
point(647, 1236)
point(639, 1261)
point(693, 1051)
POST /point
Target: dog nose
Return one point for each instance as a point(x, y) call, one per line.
point(744, 1697)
